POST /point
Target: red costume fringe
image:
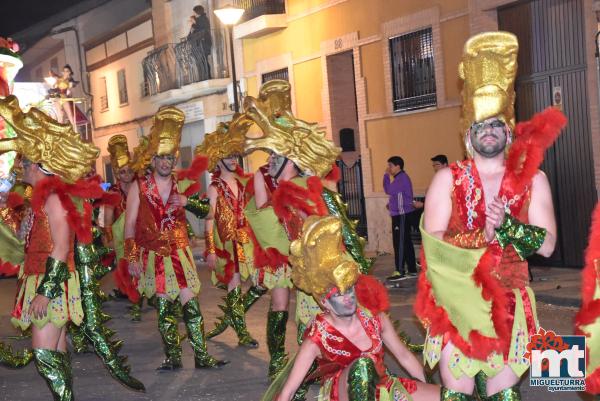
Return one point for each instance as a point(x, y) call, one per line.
point(8, 270)
point(229, 268)
point(125, 282)
point(371, 294)
point(590, 308)
point(14, 200)
point(524, 159)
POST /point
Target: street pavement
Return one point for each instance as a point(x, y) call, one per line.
point(245, 377)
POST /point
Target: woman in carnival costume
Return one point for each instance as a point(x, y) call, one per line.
point(347, 338)
point(483, 217)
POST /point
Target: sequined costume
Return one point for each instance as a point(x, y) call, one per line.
point(161, 244)
point(587, 321)
point(472, 292)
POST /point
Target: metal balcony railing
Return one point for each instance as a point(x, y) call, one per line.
point(256, 8)
point(196, 58)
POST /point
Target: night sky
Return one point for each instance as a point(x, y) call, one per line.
point(16, 15)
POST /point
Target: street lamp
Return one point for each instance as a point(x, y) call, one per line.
point(229, 16)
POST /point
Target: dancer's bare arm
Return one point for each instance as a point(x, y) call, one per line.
point(306, 355)
point(260, 190)
point(438, 204)
point(541, 212)
point(402, 354)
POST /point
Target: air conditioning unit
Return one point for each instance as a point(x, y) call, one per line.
point(242, 91)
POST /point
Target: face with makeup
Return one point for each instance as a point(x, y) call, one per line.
point(126, 174)
point(229, 164)
point(276, 164)
point(163, 164)
point(342, 305)
point(489, 138)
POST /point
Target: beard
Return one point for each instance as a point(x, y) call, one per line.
point(490, 149)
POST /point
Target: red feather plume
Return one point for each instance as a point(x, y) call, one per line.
point(371, 294)
point(198, 166)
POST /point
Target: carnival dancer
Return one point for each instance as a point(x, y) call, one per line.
point(54, 159)
point(114, 221)
point(483, 217)
point(348, 336)
point(587, 321)
point(156, 240)
point(229, 250)
point(300, 158)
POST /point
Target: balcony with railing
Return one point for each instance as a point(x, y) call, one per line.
point(260, 18)
point(196, 66)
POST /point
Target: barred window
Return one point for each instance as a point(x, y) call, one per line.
point(103, 95)
point(413, 73)
point(279, 74)
point(123, 99)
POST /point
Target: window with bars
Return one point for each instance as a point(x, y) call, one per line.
point(103, 94)
point(278, 74)
point(121, 81)
point(413, 70)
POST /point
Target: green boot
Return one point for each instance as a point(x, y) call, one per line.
point(55, 368)
point(481, 386)
point(10, 359)
point(194, 324)
point(78, 339)
point(509, 394)
point(249, 298)
point(136, 311)
point(450, 395)
point(237, 313)
point(167, 326)
point(276, 328)
point(362, 380)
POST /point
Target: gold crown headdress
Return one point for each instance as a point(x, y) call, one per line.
point(319, 260)
point(57, 147)
point(488, 68)
point(119, 152)
point(300, 141)
point(164, 137)
point(227, 141)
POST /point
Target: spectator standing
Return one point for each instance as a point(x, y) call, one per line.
point(398, 187)
point(201, 28)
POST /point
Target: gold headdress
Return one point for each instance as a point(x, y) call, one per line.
point(301, 142)
point(227, 141)
point(119, 152)
point(57, 147)
point(164, 137)
point(319, 260)
point(488, 68)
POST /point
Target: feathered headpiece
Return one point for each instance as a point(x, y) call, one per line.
point(301, 142)
point(227, 141)
point(164, 137)
point(57, 147)
point(489, 69)
point(119, 152)
point(319, 260)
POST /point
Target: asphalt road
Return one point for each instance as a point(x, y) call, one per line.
point(243, 379)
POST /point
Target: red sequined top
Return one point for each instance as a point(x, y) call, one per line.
point(159, 227)
point(465, 228)
point(338, 352)
point(120, 208)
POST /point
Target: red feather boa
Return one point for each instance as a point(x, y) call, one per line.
point(335, 174)
point(292, 196)
point(125, 283)
point(590, 307)
point(371, 294)
point(79, 222)
point(14, 200)
point(8, 270)
point(198, 166)
point(524, 159)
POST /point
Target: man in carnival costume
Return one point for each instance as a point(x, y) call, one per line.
point(348, 336)
point(483, 217)
point(57, 284)
point(114, 221)
point(229, 248)
point(156, 239)
point(587, 321)
point(300, 157)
